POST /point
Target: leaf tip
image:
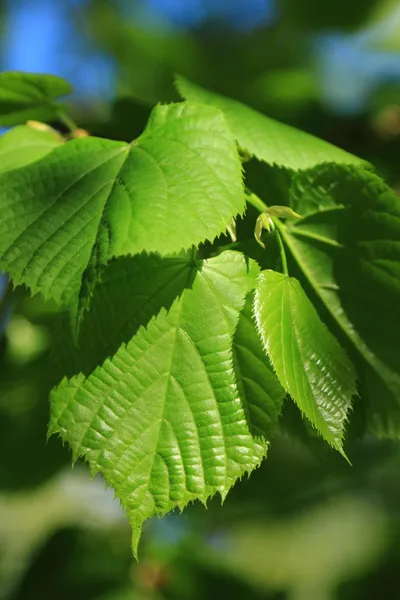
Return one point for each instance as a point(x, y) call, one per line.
point(343, 453)
point(136, 533)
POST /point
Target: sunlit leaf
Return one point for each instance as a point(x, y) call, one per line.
point(308, 360)
point(23, 145)
point(178, 184)
point(267, 139)
point(162, 419)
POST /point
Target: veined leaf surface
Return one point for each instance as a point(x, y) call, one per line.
point(308, 360)
point(178, 184)
point(261, 393)
point(162, 419)
point(347, 249)
point(267, 139)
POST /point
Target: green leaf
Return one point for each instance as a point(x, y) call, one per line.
point(160, 281)
point(26, 96)
point(177, 185)
point(260, 391)
point(347, 251)
point(309, 362)
point(151, 282)
point(162, 419)
point(24, 145)
point(265, 138)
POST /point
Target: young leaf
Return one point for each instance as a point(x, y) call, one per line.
point(26, 96)
point(265, 138)
point(162, 418)
point(178, 184)
point(309, 362)
point(260, 391)
point(348, 251)
point(23, 145)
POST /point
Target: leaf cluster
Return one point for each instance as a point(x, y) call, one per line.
point(179, 346)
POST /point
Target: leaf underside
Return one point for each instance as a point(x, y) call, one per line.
point(163, 419)
point(260, 391)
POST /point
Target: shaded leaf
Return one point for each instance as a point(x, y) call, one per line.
point(348, 252)
point(260, 391)
point(26, 96)
point(151, 282)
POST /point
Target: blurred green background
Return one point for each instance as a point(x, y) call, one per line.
point(306, 525)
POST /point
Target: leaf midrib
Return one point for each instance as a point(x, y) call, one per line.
point(304, 381)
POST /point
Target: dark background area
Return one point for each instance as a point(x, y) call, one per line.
point(306, 525)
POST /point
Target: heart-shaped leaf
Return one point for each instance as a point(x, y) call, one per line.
point(178, 184)
point(162, 419)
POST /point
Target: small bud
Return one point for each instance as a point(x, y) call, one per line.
point(231, 229)
point(79, 133)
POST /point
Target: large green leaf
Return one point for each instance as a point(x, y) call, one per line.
point(23, 145)
point(265, 138)
point(178, 184)
point(261, 393)
point(308, 360)
point(151, 283)
point(347, 251)
point(26, 96)
point(162, 419)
